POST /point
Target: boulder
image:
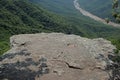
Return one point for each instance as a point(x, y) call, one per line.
point(56, 56)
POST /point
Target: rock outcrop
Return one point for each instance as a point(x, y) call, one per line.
point(56, 56)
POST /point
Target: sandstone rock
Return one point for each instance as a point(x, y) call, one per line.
point(42, 56)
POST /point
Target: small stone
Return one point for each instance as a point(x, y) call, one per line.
point(59, 72)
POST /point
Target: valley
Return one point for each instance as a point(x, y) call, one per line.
point(36, 16)
point(86, 13)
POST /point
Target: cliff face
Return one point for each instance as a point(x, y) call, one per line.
point(56, 56)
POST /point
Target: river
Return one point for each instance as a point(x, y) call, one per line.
point(86, 13)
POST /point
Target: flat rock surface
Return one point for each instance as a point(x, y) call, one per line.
point(55, 56)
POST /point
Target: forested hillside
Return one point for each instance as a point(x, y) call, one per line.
point(18, 16)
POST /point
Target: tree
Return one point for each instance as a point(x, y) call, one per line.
point(107, 20)
point(116, 10)
point(115, 4)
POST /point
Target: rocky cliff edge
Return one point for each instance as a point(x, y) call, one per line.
point(56, 56)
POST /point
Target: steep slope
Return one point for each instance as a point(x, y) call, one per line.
point(18, 16)
point(24, 14)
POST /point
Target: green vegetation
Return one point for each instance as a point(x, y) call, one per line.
point(116, 10)
point(19, 17)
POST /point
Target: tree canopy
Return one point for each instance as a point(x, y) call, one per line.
point(116, 10)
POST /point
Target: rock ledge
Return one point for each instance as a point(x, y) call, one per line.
point(56, 56)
